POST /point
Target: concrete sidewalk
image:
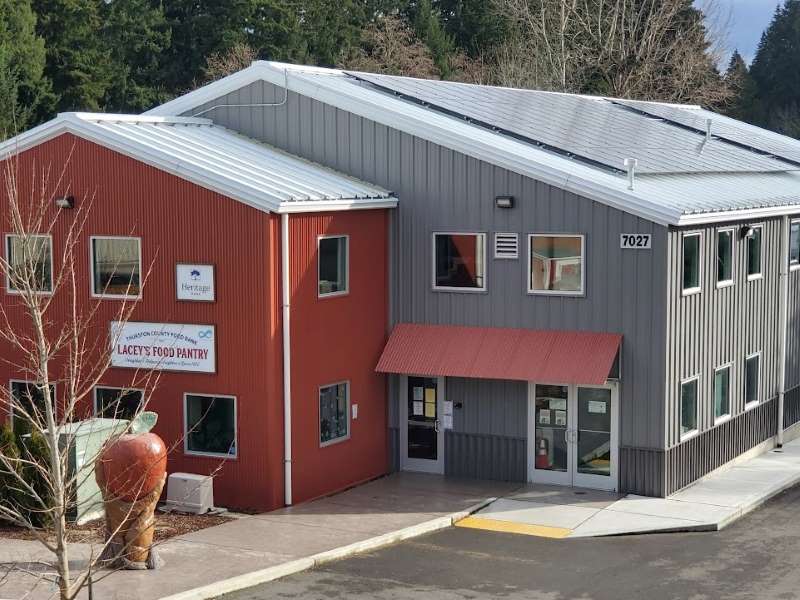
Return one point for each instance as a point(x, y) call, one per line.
point(708, 505)
point(259, 548)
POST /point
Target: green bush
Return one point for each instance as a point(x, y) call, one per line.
point(31, 447)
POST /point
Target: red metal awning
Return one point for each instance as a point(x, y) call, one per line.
point(579, 357)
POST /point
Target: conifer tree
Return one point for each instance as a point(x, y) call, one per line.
point(738, 76)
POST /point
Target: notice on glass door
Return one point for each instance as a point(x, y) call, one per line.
point(417, 409)
point(597, 407)
point(418, 391)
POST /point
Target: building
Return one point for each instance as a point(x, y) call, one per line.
point(540, 287)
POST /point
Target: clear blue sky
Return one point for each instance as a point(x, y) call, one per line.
point(749, 18)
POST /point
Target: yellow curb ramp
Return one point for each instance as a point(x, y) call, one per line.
point(509, 527)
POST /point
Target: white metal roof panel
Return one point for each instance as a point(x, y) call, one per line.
point(217, 158)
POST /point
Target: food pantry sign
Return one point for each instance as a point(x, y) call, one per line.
point(163, 347)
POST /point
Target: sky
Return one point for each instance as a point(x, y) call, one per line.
point(748, 20)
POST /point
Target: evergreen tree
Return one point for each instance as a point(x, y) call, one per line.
point(135, 34)
point(77, 61)
point(329, 30)
point(476, 25)
point(776, 74)
point(429, 28)
point(738, 76)
point(23, 88)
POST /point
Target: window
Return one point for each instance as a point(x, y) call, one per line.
point(116, 265)
point(754, 254)
point(333, 258)
point(794, 244)
point(724, 257)
point(752, 367)
point(30, 398)
point(210, 423)
point(691, 263)
point(117, 403)
point(334, 413)
point(689, 406)
point(30, 260)
point(556, 264)
point(722, 392)
point(459, 261)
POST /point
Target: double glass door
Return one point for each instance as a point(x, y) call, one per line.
point(572, 435)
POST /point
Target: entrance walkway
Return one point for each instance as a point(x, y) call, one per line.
point(708, 505)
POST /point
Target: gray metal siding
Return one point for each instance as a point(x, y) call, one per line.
point(440, 189)
point(793, 337)
point(488, 407)
point(719, 326)
point(479, 456)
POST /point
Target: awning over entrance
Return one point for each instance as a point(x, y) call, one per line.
point(577, 357)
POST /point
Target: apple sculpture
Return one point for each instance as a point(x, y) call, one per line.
point(131, 471)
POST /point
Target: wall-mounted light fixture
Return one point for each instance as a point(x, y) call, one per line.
point(746, 231)
point(65, 202)
point(504, 201)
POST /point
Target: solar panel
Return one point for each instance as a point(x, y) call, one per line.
point(592, 130)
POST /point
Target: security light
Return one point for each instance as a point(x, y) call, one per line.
point(504, 201)
point(65, 202)
point(746, 231)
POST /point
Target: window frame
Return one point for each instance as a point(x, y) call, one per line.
point(724, 417)
point(699, 287)
point(752, 404)
point(186, 450)
point(793, 266)
point(529, 282)
point(760, 274)
point(464, 290)
point(9, 289)
point(725, 282)
point(341, 439)
point(92, 239)
point(11, 383)
point(346, 289)
point(693, 432)
point(96, 413)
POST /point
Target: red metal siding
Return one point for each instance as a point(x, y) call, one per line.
point(181, 222)
point(336, 339)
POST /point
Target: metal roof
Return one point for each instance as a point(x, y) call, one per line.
point(216, 158)
point(765, 187)
point(592, 129)
point(580, 357)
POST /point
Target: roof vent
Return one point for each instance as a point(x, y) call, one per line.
point(506, 245)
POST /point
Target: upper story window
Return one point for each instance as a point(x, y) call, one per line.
point(689, 406)
point(794, 244)
point(116, 267)
point(556, 264)
point(691, 263)
point(30, 260)
point(459, 261)
point(117, 403)
point(334, 413)
point(752, 376)
point(724, 257)
point(754, 262)
point(333, 265)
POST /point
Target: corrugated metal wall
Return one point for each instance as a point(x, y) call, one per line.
point(719, 326)
point(793, 338)
point(443, 190)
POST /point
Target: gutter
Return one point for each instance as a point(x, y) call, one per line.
point(287, 363)
point(783, 307)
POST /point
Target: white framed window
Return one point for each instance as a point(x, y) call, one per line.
point(556, 264)
point(117, 403)
point(755, 254)
point(334, 413)
point(692, 263)
point(30, 396)
point(333, 265)
point(459, 261)
point(752, 380)
point(688, 406)
point(722, 393)
point(116, 267)
point(794, 245)
point(30, 260)
point(725, 271)
point(210, 425)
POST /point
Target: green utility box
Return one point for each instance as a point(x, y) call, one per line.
point(84, 439)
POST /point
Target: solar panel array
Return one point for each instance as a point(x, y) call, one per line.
point(592, 130)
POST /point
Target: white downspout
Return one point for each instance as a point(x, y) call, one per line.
point(287, 364)
point(783, 307)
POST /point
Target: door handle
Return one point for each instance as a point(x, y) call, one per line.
point(436, 425)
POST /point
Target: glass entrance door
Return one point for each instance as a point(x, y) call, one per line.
point(572, 436)
point(421, 435)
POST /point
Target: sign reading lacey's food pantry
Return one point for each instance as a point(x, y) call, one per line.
point(163, 346)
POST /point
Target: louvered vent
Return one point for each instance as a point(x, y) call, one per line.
point(506, 245)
